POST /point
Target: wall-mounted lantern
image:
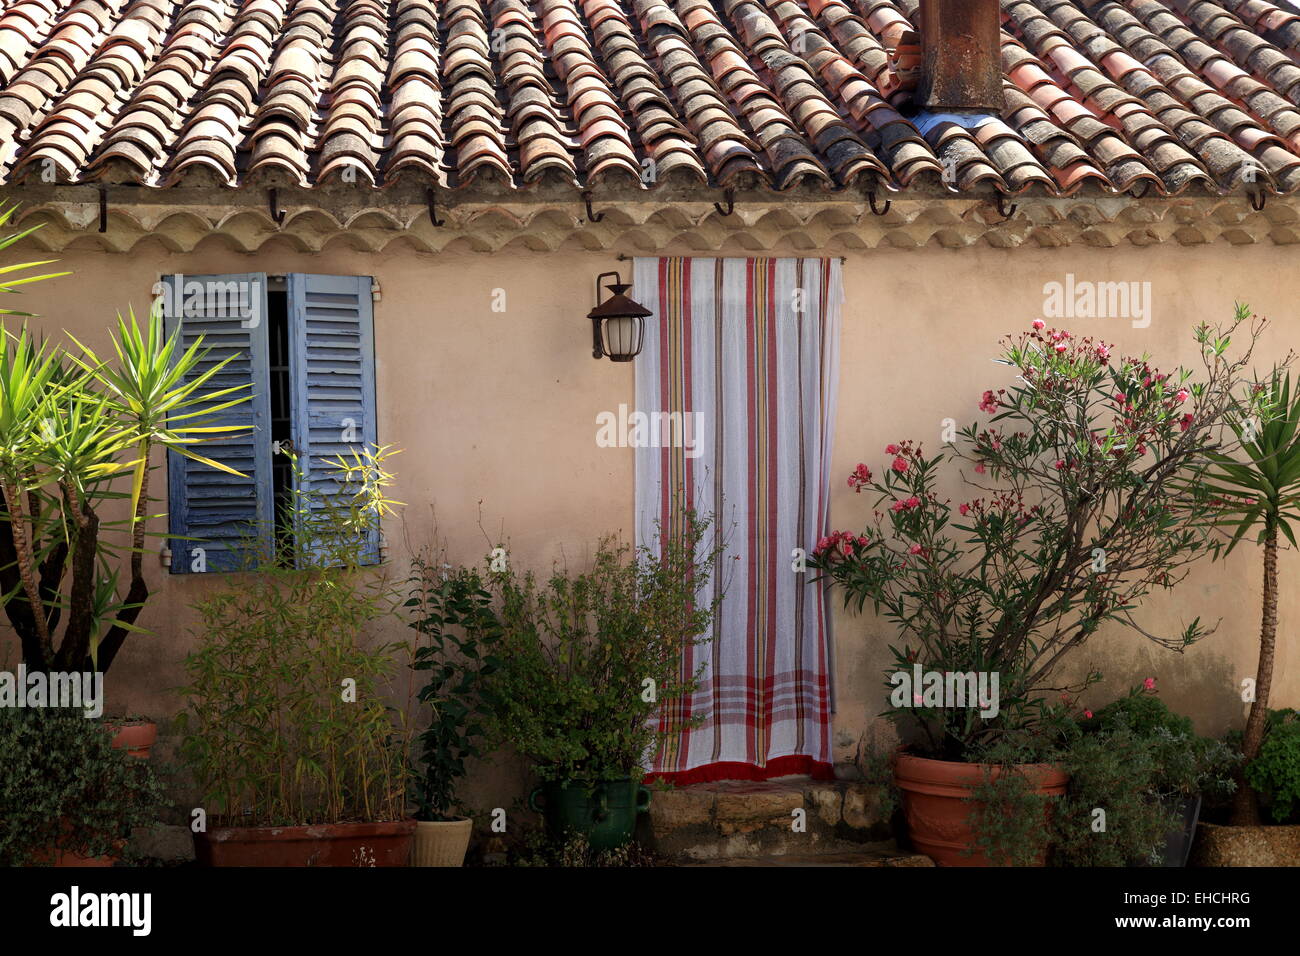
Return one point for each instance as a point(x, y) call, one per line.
point(618, 323)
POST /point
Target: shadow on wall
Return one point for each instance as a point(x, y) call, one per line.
point(1203, 682)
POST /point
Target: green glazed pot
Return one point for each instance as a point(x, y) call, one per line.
point(604, 811)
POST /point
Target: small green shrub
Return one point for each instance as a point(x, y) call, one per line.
point(1114, 813)
point(64, 786)
point(876, 765)
point(451, 608)
point(1141, 712)
point(1010, 821)
point(1186, 764)
point(1275, 773)
point(1135, 761)
point(590, 660)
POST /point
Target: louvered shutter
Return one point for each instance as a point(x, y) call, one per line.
point(217, 509)
point(332, 377)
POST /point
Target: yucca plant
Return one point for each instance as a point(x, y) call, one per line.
point(17, 269)
point(1261, 494)
point(73, 426)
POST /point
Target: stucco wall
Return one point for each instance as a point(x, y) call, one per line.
point(496, 412)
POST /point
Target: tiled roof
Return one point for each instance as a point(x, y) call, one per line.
point(1142, 96)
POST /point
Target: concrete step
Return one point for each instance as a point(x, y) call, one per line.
point(789, 816)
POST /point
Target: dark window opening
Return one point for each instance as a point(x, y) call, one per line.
point(277, 332)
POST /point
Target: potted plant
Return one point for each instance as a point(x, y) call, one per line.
point(1072, 517)
point(134, 734)
point(1257, 490)
point(299, 758)
point(1275, 771)
point(70, 796)
point(75, 432)
point(70, 425)
point(1274, 778)
point(590, 673)
point(1148, 771)
point(451, 608)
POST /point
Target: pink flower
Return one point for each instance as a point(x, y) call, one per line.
point(1088, 714)
point(989, 402)
point(1186, 422)
point(914, 549)
point(900, 464)
point(979, 469)
point(861, 476)
point(963, 509)
point(897, 506)
point(1182, 395)
point(913, 502)
point(1060, 463)
point(1103, 352)
point(1149, 683)
point(1039, 324)
point(891, 449)
point(1061, 347)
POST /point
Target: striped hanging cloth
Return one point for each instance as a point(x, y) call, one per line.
point(747, 351)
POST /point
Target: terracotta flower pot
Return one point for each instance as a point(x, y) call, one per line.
point(934, 802)
point(1218, 845)
point(333, 844)
point(136, 737)
point(441, 842)
point(63, 858)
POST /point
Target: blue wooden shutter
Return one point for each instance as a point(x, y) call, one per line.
point(332, 376)
point(218, 509)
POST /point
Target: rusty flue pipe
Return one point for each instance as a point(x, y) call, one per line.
point(962, 58)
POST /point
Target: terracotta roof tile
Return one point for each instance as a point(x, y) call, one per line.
point(1123, 94)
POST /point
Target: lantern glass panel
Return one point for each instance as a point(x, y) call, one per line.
point(622, 337)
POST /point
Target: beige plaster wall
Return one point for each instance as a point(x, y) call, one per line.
point(496, 413)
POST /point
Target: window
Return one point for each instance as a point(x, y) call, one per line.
point(305, 343)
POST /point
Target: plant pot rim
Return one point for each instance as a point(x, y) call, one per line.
point(1250, 826)
point(453, 822)
point(589, 782)
point(1048, 774)
point(904, 754)
point(314, 831)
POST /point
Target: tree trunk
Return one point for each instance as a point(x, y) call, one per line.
point(1245, 806)
point(26, 565)
point(138, 593)
point(82, 526)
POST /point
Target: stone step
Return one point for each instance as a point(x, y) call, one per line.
point(829, 857)
point(731, 820)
